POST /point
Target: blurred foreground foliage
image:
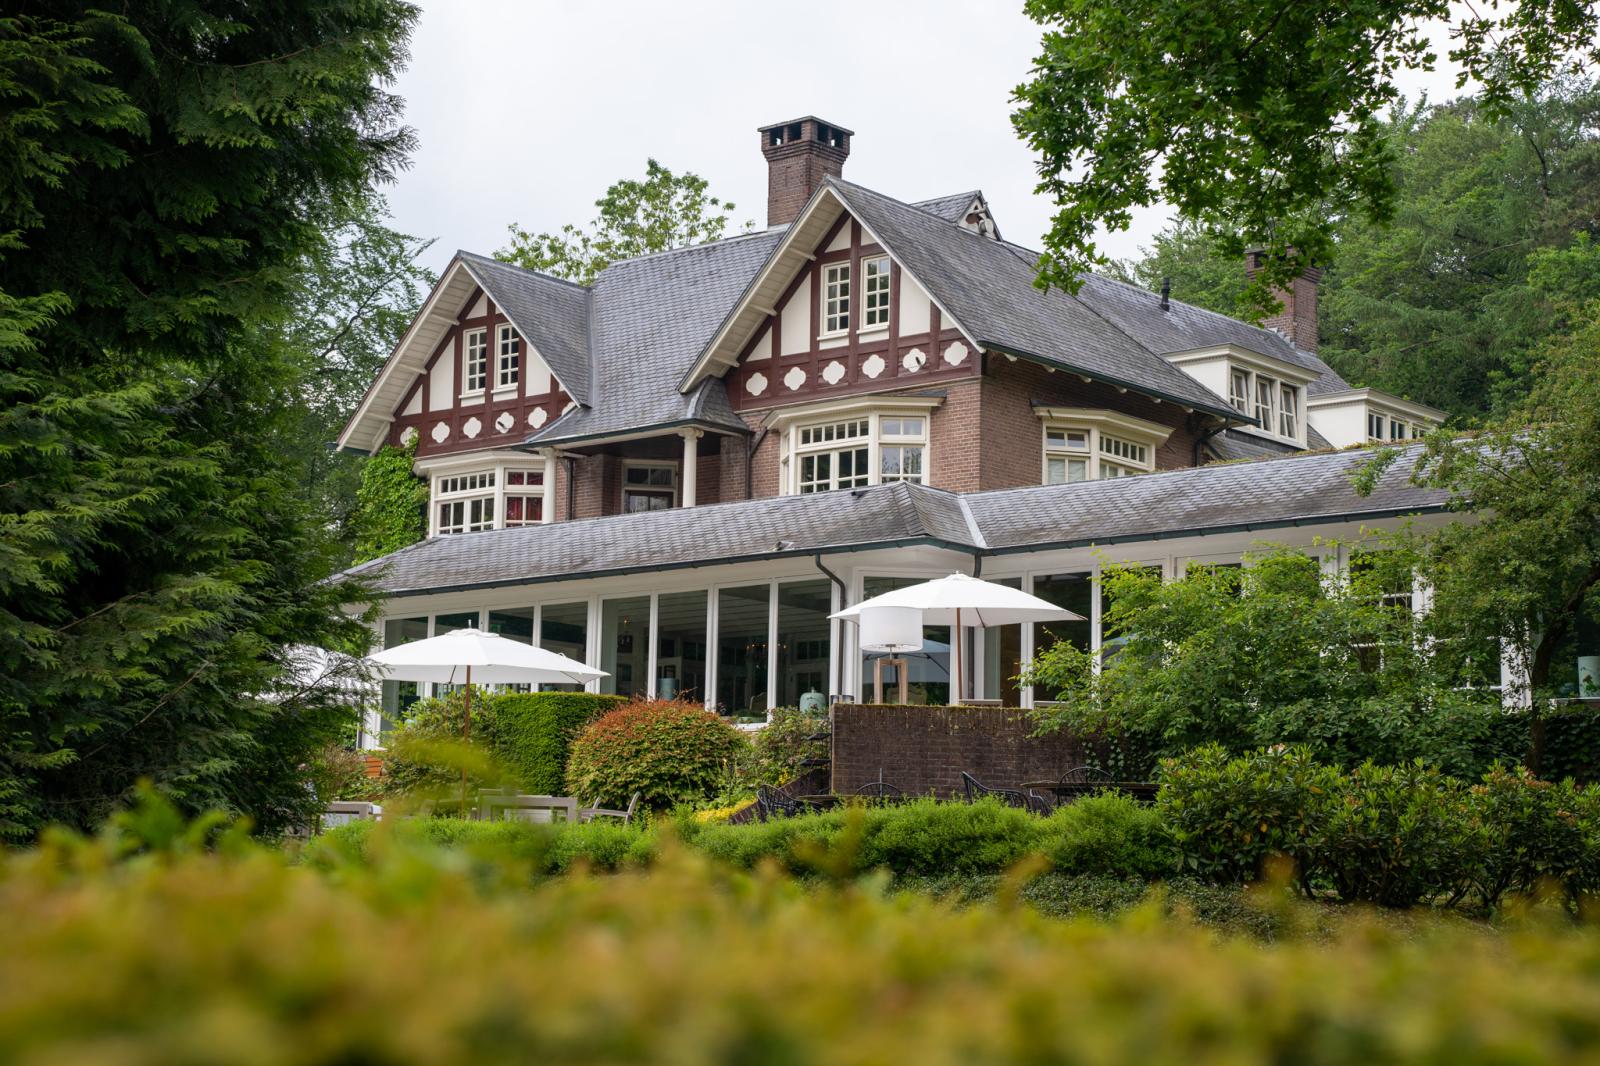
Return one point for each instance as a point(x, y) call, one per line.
point(144, 945)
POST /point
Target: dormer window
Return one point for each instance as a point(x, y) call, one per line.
point(1264, 387)
point(875, 292)
point(476, 369)
point(1289, 412)
point(1375, 425)
point(1397, 429)
point(1239, 391)
point(836, 299)
point(510, 349)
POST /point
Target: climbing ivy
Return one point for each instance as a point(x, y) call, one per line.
point(391, 504)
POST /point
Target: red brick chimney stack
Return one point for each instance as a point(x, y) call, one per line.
point(800, 153)
point(1298, 318)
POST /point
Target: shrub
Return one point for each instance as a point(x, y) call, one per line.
point(1228, 816)
point(531, 733)
point(783, 748)
point(1110, 834)
point(426, 753)
point(1397, 834)
point(928, 837)
point(340, 773)
point(669, 752)
point(1526, 832)
point(796, 844)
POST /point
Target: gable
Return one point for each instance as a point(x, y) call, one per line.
point(550, 315)
point(792, 356)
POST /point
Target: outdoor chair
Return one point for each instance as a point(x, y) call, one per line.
point(770, 803)
point(343, 812)
point(625, 816)
point(1011, 797)
point(1082, 781)
point(880, 790)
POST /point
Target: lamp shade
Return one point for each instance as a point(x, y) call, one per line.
point(891, 629)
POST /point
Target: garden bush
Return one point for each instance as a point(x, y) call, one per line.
point(1110, 834)
point(669, 752)
point(1396, 835)
point(532, 732)
point(783, 747)
point(1228, 816)
point(239, 956)
point(1527, 835)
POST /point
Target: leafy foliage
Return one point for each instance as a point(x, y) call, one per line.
point(1262, 124)
point(1275, 653)
point(391, 504)
point(670, 752)
point(1490, 253)
point(134, 954)
point(532, 733)
point(1396, 835)
point(783, 748)
point(167, 169)
point(661, 212)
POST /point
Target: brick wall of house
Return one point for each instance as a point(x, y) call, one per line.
point(955, 440)
point(1012, 444)
point(764, 474)
point(732, 459)
point(923, 750)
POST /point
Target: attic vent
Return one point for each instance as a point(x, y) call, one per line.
point(980, 221)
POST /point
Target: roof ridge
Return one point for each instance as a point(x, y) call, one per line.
point(541, 275)
point(746, 235)
point(1196, 307)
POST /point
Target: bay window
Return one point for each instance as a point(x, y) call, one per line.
point(524, 497)
point(464, 503)
point(1093, 445)
point(872, 448)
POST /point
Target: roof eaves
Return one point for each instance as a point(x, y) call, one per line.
point(1221, 410)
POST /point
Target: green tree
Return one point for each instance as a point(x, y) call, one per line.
point(1522, 574)
point(1487, 254)
point(167, 169)
point(1273, 654)
point(1261, 122)
point(661, 212)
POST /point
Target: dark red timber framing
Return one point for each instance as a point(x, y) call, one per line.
point(883, 351)
point(528, 412)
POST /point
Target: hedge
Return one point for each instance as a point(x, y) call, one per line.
point(242, 957)
point(532, 733)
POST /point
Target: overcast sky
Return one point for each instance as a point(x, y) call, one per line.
point(526, 111)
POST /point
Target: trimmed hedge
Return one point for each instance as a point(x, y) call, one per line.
point(532, 733)
point(240, 957)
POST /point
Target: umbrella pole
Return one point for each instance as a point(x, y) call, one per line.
point(961, 670)
point(466, 738)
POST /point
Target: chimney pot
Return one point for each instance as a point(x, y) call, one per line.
point(800, 154)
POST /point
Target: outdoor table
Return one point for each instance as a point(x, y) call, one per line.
point(821, 801)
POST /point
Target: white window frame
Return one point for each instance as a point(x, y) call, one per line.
point(832, 438)
point(474, 350)
point(1288, 411)
point(465, 492)
point(876, 296)
point(876, 413)
point(836, 295)
point(1239, 389)
point(671, 492)
point(530, 490)
point(1109, 438)
point(508, 357)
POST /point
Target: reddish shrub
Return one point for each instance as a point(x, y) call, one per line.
point(669, 752)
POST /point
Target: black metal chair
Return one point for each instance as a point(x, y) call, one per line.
point(1082, 781)
point(880, 790)
point(770, 803)
point(1011, 797)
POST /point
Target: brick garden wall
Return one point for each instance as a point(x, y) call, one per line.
point(923, 750)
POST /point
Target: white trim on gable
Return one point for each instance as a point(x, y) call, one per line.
point(793, 254)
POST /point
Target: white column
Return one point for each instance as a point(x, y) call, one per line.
point(691, 466)
point(547, 508)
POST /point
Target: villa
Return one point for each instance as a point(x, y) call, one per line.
point(677, 473)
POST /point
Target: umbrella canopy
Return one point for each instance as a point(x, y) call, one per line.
point(473, 656)
point(979, 603)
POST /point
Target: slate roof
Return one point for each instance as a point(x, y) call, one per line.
point(1232, 444)
point(553, 314)
point(1184, 327)
point(1263, 495)
point(988, 286)
point(950, 208)
point(651, 318)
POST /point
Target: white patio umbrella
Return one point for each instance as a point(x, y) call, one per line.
point(959, 600)
point(471, 656)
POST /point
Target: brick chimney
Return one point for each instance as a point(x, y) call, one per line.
point(1298, 318)
point(800, 153)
